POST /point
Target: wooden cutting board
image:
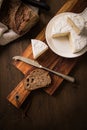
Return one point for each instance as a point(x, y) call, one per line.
point(48, 59)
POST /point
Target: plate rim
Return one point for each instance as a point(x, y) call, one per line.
point(84, 50)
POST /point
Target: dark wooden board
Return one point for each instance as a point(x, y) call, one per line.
point(48, 59)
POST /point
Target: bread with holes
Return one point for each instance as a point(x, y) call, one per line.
point(38, 78)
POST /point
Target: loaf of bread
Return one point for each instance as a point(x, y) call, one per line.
point(38, 78)
point(18, 16)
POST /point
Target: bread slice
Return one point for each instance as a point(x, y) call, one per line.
point(38, 48)
point(38, 78)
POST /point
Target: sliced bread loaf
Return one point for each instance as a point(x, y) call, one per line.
point(18, 16)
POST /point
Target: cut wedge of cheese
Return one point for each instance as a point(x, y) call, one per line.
point(74, 29)
point(38, 48)
point(77, 42)
point(64, 34)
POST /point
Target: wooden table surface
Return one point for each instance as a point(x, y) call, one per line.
point(65, 110)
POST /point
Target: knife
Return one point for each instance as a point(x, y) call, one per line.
point(36, 64)
point(36, 3)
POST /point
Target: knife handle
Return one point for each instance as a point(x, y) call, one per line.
point(66, 77)
point(37, 4)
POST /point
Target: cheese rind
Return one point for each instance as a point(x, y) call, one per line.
point(38, 48)
point(61, 27)
point(60, 34)
point(75, 26)
point(77, 42)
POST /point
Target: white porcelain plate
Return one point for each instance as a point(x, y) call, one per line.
point(60, 46)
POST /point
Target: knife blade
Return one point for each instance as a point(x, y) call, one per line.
point(36, 3)
point(36, 64)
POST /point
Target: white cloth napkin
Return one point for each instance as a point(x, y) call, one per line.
point(8, 35)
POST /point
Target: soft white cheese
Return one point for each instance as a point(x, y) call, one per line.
point(77, 23)
point(84, 15)
point(77, 42)
point(38, 47)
